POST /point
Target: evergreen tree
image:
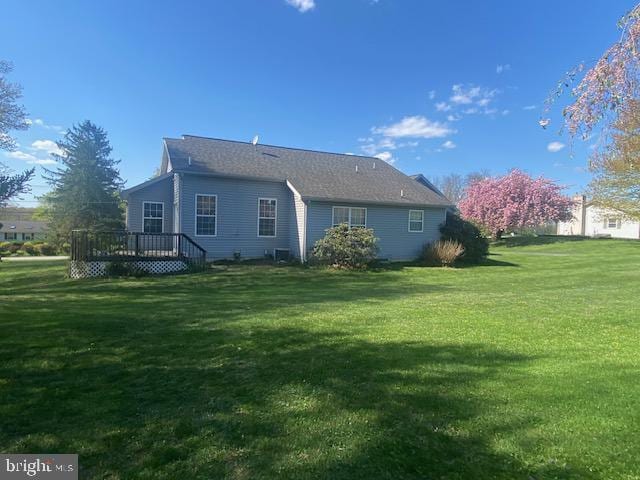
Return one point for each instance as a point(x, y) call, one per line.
point(12, 117)
point(85, 189)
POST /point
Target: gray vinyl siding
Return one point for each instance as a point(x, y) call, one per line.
point(390, 224)
point(237, 215)
point(161, 191)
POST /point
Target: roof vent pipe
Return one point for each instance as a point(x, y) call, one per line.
point(356, 168)
point(402, 193)
point(374, 165)
point(189, 160)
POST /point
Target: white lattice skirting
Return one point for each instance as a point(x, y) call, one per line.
point(81, 269)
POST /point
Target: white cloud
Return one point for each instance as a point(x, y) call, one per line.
point(453, 117)
point(41, 123)
point(449, 145)
point(48, 146)
point(555, 147)
point(472, 95)
point(443, 107)
point(462, 96)
point(43, 161)
point(302, 5)
point(34, 121)
point(18, 155)
point(415, 127)
point(432, 94)
point(506, 112)
point(529, 107)
point(373, 147)
point(29, 158)
point(503, 68)
point(386, 157)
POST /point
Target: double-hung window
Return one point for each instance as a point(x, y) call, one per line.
point(10, 236)
point(352, 216)
point(416, 221)
point(612, 222)
point(267, 217)
point(152, 217)
point(206, 215)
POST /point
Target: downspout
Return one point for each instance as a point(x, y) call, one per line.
point(303, 253)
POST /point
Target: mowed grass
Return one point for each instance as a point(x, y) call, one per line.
point(526, 367)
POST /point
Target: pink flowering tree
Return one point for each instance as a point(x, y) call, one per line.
point(514, 201)
point(601, 89)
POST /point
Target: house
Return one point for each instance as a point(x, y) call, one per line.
point(592, 221)
point(237, 199)
point(22, 230)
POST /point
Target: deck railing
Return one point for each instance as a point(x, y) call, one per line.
point(131, 246)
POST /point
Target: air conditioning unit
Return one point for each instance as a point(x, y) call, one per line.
point(281, 254)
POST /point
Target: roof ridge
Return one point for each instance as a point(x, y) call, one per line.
point(277, 146)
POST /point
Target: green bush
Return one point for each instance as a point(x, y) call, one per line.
point(30, 248)
point(45, 249)
point(13, 247)
point(443, 253)
point(476, 245)
point(344, 247)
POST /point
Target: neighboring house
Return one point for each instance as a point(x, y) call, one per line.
point(239, 199)
point(593, 221)
point(22, 230)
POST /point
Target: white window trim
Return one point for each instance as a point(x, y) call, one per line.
point(150, 218)
point(421, 222)
point(195, 211)
point(275, 227)
point(366, 215)
point(608, 223)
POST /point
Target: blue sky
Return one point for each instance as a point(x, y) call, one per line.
point(434, 87)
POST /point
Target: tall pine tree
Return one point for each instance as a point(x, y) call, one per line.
point(85, 193)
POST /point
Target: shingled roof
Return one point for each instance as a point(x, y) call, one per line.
point(22, 226)
point(314, 175)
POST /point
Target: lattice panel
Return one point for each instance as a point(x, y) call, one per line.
point(80, 269)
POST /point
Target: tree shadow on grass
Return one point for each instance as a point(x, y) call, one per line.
point(234, 291)
point(187, 399)
point(196, 377)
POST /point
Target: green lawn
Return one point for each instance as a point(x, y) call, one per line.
point(527, 367)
